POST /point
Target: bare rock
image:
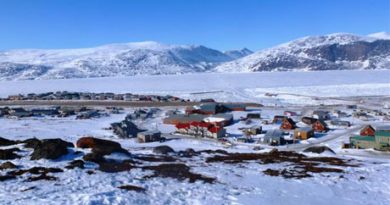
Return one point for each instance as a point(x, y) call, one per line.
point(75, 163)
point(7, 154)
point(7, 142)
point(103, 147)
point(163, 149)
point(132, 188)
point(51, 149)
point(319, 149)
point(7, 165)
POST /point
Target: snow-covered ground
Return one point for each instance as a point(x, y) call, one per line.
point(292, 87)
point(236, 183)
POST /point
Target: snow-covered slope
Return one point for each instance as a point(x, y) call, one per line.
point(236, 54)
point(380, 35)
point(329, 52)
point(110, 60)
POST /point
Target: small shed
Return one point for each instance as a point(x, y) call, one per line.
point(303, 133)
point(149, 136)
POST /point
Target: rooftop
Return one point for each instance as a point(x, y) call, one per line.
point(363, 138)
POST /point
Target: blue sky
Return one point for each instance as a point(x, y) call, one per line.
point(220, 24)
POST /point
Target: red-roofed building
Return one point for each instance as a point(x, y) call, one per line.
point(288, 124)
point(201, 129)
point(367, 131)
point(320, 126)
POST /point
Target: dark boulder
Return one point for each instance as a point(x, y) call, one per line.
point(7, 154)
point(31, 143)
point(6, 177)
point(7, 165)
point(75, 163)
point(132, 188)
point(187, 153)
point(103, 147)
point(163, 149)
point(94, 157)
point(51, 149)
point(113, 167)
point(177, 171)
point(42, 177)
point(35, 171)
point(319, 149)
point(7, 142)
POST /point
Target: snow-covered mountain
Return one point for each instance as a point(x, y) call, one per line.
point(236, 54)
point(110, 60)
point(329, 52)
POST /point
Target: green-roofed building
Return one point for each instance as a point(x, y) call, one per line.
point(381, 141)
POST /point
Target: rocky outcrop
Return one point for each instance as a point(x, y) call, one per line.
point(7, 142)
point(319, 149)
point(7, 154)
point(7, 165)
point(100, 146)
point(163, 149)
point(50, 149)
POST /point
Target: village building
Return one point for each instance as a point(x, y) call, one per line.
point(219, 119)
point(19, 112)
point(381, 140)
point(125, 129)
point(215, 108)
point(207, 100)
point(288, 124)
point(352, 107)
point(320, 126)
point(308, 120)
point(207, 109)
point(278, 119)
point(88, 114)
point(141, 114)
point(303, 133)
point(235, 106)
point(253, 116)
point(15, 97)
point(290, 113)
point(321, 115)
point(340, 123)
point(254, 130)
point(149, 136)
point(368, 130)
point(201, 129)
point(340, 114)
point(274, 137)
point(45, 112)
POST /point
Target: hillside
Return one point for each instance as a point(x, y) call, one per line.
point(110, 60)
point(330, 52)
point(338, 51)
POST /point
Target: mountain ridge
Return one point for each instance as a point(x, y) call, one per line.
point(329, 52)
point(326, 52)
